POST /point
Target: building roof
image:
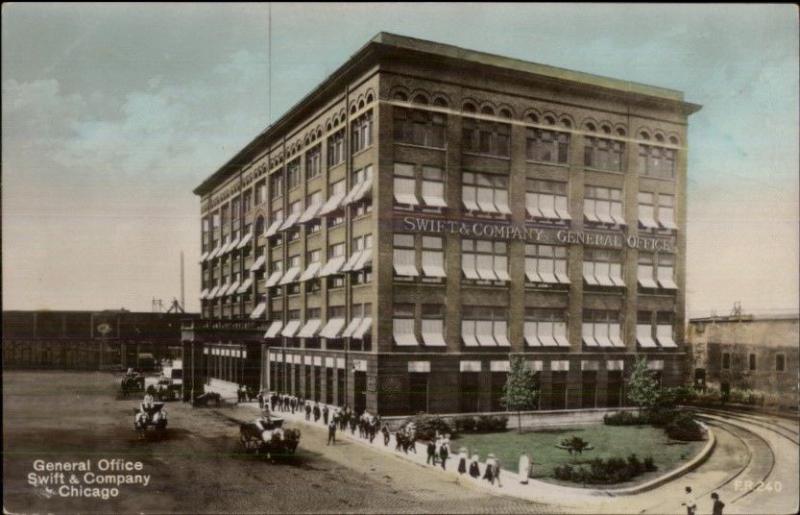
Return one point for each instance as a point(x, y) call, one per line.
point(744, 318)
point(385, 41)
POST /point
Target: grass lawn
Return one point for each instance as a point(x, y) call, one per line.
point(608, 441)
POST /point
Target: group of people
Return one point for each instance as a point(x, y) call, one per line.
point(690, 503)
point(438, 450)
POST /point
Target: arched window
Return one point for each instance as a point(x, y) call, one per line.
point(644, 135)
point(421, 99)
point(660, 138)
point(620, 131)
point(259, 226)
point(469, 107)
point(549, 120)
point(487, 110)
point(673, 140)
point(505, 113)
point(532, 118)
point(399, 95)
point(370, 98)
point(361, 104)
point(440, 102)
point(591, 127)
point(566, 123)
point(606, 129)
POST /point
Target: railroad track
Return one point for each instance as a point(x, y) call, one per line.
point(787, 428)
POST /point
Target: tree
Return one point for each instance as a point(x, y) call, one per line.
point(643, 388)
point(521, 390)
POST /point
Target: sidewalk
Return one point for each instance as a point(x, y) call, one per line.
point(578, 499)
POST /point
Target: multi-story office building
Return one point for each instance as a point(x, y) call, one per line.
point(427, 212)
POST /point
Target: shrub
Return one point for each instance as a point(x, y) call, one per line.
point(624, 418)
point(662, 417)
point(428, 425)
point(684, 428)
point(599, 471)
point(499, 423)
point(464, 424)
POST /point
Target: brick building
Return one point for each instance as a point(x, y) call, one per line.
point(88, 340)
point(748, 353)
point(426, 212)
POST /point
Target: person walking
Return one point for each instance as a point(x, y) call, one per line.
point(431, 453)
point(462, 460)
point(689, 501)
point(497, 469)
point(524, 468)
point(317, 412)
point(444, 452)
point(386, 435)
point(332, 432)
point(718, 505)
point(489, 471)
point(308, 410)
point(474, 468)
point(325, 414)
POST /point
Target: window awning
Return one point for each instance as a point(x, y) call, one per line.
point(667, 219)
point(213, 253)
point(351, 262)
point(588, 273)
point(588, 211)
point(203, 256)
point(615, 274)
point(644, 336)
point(560, 334)
point(644, 275)
point(562, 208)
point(212, 293)
point(500, 334)
point(647, 221)
point(501, 204)
point(403, 332)
point(258, 310)
point(433, 333)
point(273, 279)
point(665, 279)
point(470, 204)
point(358, 191)
point(548, 277)
point(245, 240)
point(405, 270)
point(364, 260)
point(290, 275)
point(664, 336)
point(588, 337)
point(483, 332)
point(614, 336)
point(333, 329)
point(311, 271)
point(408, 199)
point(602, 273)
point(616, 213)
point(259, 263)
point(311, 212)
point(310, 329)
point(290, 221)
point(432, 200)
point(468, 334)
point(547, 205)
point(432, 264)
point(530, 334)
point(501, 272)
point(601, 335)
point(332, 203)
point(232, 245)
point(273, 329)
point(291, 328)
point(333, 266)
point(203, 293)
point(233, 287)
point(485, 268)
point(470, 272)
point(245, 285)
point(487, 206)
point(351, 327)
point(545, 335)
point(363, 329)
point(272, 230)
point(223, 289)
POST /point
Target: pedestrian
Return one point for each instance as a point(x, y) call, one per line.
point(718, 505)
point(332, 432)
point(689, 501)
point(317, 412)
point(462, 460)
point(325, 414)
point(524, 468)
point(239, 395)
point(293, 403)
point(308, 411)
point(474, 468)
point(260, 398)
point(497, 469)
point(488, 472)
point(444, 452)
point(431, 453)
point(353, 424)
point(386, 435)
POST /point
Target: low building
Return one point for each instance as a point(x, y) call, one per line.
point(747, 353)
point(89, 340)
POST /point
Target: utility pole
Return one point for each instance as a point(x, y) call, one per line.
point(183, 292)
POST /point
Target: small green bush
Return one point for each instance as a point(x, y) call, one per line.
point(610, 471)
point(624, 418)
point(684, 428)
point(662, 417)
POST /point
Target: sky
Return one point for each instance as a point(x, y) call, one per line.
point(112, 114)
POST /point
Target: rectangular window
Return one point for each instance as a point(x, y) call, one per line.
point(403, 325)
point(547, 146)
point(419, 127)
point(261, 193)
point(405, 185)
point(433, 256)
point(336, 148)
point(666, 211)
point(665, 322)
point(644, 330)
point(362, 131)
point(647, 216)
point(361, 185)
point(404, 256)
point(433, 187)
point(751, 361)
point(601, 328)
point(645, 272)
point(602, 267)
point(484, 260)
point(484, 326)
point(545, 328)
point(726, 361)
point(546, 264)
point(433, 325)
point(656, 161)
point(603, 205)
point(484, 137)
point(276, 185)
point(293, 174)
point(780, 363)
point(338, 190)
point(547, 200)
point(313, 162)
point(666, 271)
point(485, 193)
point(603, 154)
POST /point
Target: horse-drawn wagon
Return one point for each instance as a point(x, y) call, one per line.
point(266, 435)
point(152, 417)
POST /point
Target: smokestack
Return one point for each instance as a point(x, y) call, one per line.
point(183, 299)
